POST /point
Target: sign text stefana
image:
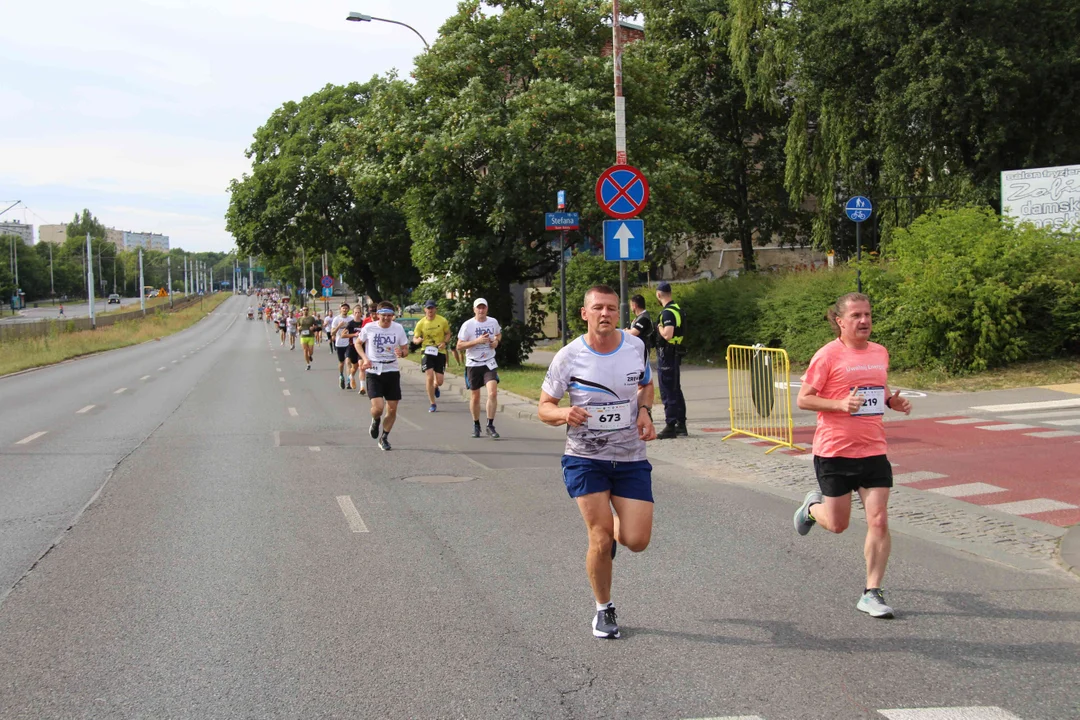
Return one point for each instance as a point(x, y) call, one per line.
point(1047, 197)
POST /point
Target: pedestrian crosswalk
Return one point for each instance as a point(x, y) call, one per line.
point(929, 713)
point(1044, 418)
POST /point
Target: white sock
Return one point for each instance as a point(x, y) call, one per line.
point(603, 606)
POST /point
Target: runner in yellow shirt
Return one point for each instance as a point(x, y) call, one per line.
point(432, 333)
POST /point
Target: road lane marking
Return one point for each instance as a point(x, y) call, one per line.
point(31, 438)
point(175, 361)
point(1030, 507)
point(281, 379)
point(905, 478)
point(292, 411)
point(1053, 434)
point(409, 422)
point(962, 421)
point(1010, 426)
point(957, 491)
point(1041, 415)
point(351, 514)
point(314, 448)
point(286, 393)
point(162, 368)
point(117, 392)
point(145, 377)
point(1020, 407)
point(86, 409)
point(277, 369)
point(1064, 423)
point(988, 712)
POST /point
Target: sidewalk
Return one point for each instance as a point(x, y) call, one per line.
point(1011, 540)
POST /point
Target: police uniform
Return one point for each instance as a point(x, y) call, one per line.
point(669, 359)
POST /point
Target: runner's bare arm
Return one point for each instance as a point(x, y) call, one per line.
point(551, 414)
point(894, 402)
point(809, 400)
point(645, 396)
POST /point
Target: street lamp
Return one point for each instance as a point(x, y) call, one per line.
point(361, 17)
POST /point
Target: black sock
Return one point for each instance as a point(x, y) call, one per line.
point(476, 423)
point(491, 423)
point(385, 434)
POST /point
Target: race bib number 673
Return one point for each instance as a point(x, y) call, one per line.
point(607, 417)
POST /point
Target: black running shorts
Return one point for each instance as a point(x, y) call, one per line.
point(342, 352)
point(386, 385)
point(480, 376)
point(839, 476)
point(353, 355)
point(433, 362)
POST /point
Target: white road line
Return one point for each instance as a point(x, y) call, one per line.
point(351, 514)
point(281, 379)
point(1029, 507)
point(808, 457)
point(145, 377)
point(1020, 407)
point(409, 422)
point(967, 489)
point(175, 361)
point(1064, 423)
point(286, 393)
point(962, 421)
point(1053, 434)
point(31, 438)
point(314, 448)
point(162, 368)
point(905, 478)
point(733, 717)
point(1010, 426)
point(950, 713)
point(292, 411)
point(1042, 415)
point(118, 391)
point(277, 369)
point(86, 409)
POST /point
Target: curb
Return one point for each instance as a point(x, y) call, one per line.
point(1069, 550)
point(519, 407)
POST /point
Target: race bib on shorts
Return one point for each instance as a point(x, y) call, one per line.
point(873, 401)
point(491, 364)
point(431, 350)
point(607, 417)
point(375, 369)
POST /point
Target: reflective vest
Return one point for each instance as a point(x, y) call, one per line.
point(677, 338)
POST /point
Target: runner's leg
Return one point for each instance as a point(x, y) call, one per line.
point(833, 513)
point(474, 404)
point(377, 406)
point(633, 523)
point(878, 542)
point(492, 399)
point(596, 512)
point(429, 381)
point(391, 415)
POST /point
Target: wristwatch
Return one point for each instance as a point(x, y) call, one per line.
point(647, 409)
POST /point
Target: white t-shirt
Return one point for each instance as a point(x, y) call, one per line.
point(606, 385)
point(482, 354)
point(290, 322)
point(339, 322)
point(380, 344)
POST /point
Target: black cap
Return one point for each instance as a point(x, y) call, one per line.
point(430, 303)
point(664, 287)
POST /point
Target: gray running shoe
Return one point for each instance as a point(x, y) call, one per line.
point(384, 443)
point(604, 625)
point(491, 432)
point(374, 429)
point(803, 521)
point(341, 381)
point(873, 604)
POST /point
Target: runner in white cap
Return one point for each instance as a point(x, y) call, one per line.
point(479, 337)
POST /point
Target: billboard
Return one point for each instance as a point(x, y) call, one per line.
point(1047, 197)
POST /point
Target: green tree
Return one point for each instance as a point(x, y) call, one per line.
point(298, 197)
point(892, 98)
point(85, 223)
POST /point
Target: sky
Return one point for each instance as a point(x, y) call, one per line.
point(141, 110)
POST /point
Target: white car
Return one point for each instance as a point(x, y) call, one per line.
point(114, 298)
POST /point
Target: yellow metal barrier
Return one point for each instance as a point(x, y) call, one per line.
point(759, 396)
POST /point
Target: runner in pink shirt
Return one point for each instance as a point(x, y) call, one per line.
point(847, 384)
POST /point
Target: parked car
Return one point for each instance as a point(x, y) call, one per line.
point(114, 298)
point(412, 309)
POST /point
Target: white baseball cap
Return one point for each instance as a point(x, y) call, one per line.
point(478, 301)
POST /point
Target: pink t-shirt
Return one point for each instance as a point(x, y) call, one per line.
point(834, 370)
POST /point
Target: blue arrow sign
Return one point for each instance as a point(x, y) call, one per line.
point(858, 209)
point(328, 292)
point(624, 239)
point(561, 221)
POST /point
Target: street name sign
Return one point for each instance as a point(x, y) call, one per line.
point(624, 240)
point(561, 221)
point(622, 191)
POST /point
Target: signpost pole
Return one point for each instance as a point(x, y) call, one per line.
point(90, 282)
point(168, 265)
point(620, 144)
point(858, 257)
point(562, 283)
point(142, 283)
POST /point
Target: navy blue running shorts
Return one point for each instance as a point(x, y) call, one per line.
point(584, 476)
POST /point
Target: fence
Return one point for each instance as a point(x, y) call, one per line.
point(759, 398)
point(41, 328)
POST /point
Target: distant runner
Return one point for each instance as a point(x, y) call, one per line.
point(478, 337)
point(432, 333)
point(307, 336)
point(381, 344)
point(340, 344)
point(847, 384)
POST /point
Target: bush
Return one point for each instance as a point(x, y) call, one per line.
point(517, 342)
point(792, 313)
point(965, 291)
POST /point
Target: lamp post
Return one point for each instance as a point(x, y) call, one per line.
point(361, 17)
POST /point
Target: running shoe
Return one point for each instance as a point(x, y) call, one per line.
point(437, 393)
point(362, 391)
point(309, 366)
point(476, 431)
point(873, 604)
point(604, 625)
point(384, 443)
point(374, 429)
point(432, 408)
point(803, 520)
point(341, 381)
point(492, 432)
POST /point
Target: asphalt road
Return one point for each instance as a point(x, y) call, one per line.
point(221, 572)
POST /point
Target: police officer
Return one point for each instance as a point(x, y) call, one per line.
point(669, 352)
point(641, 326)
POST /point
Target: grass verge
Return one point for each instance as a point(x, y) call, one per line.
point(29, 353)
